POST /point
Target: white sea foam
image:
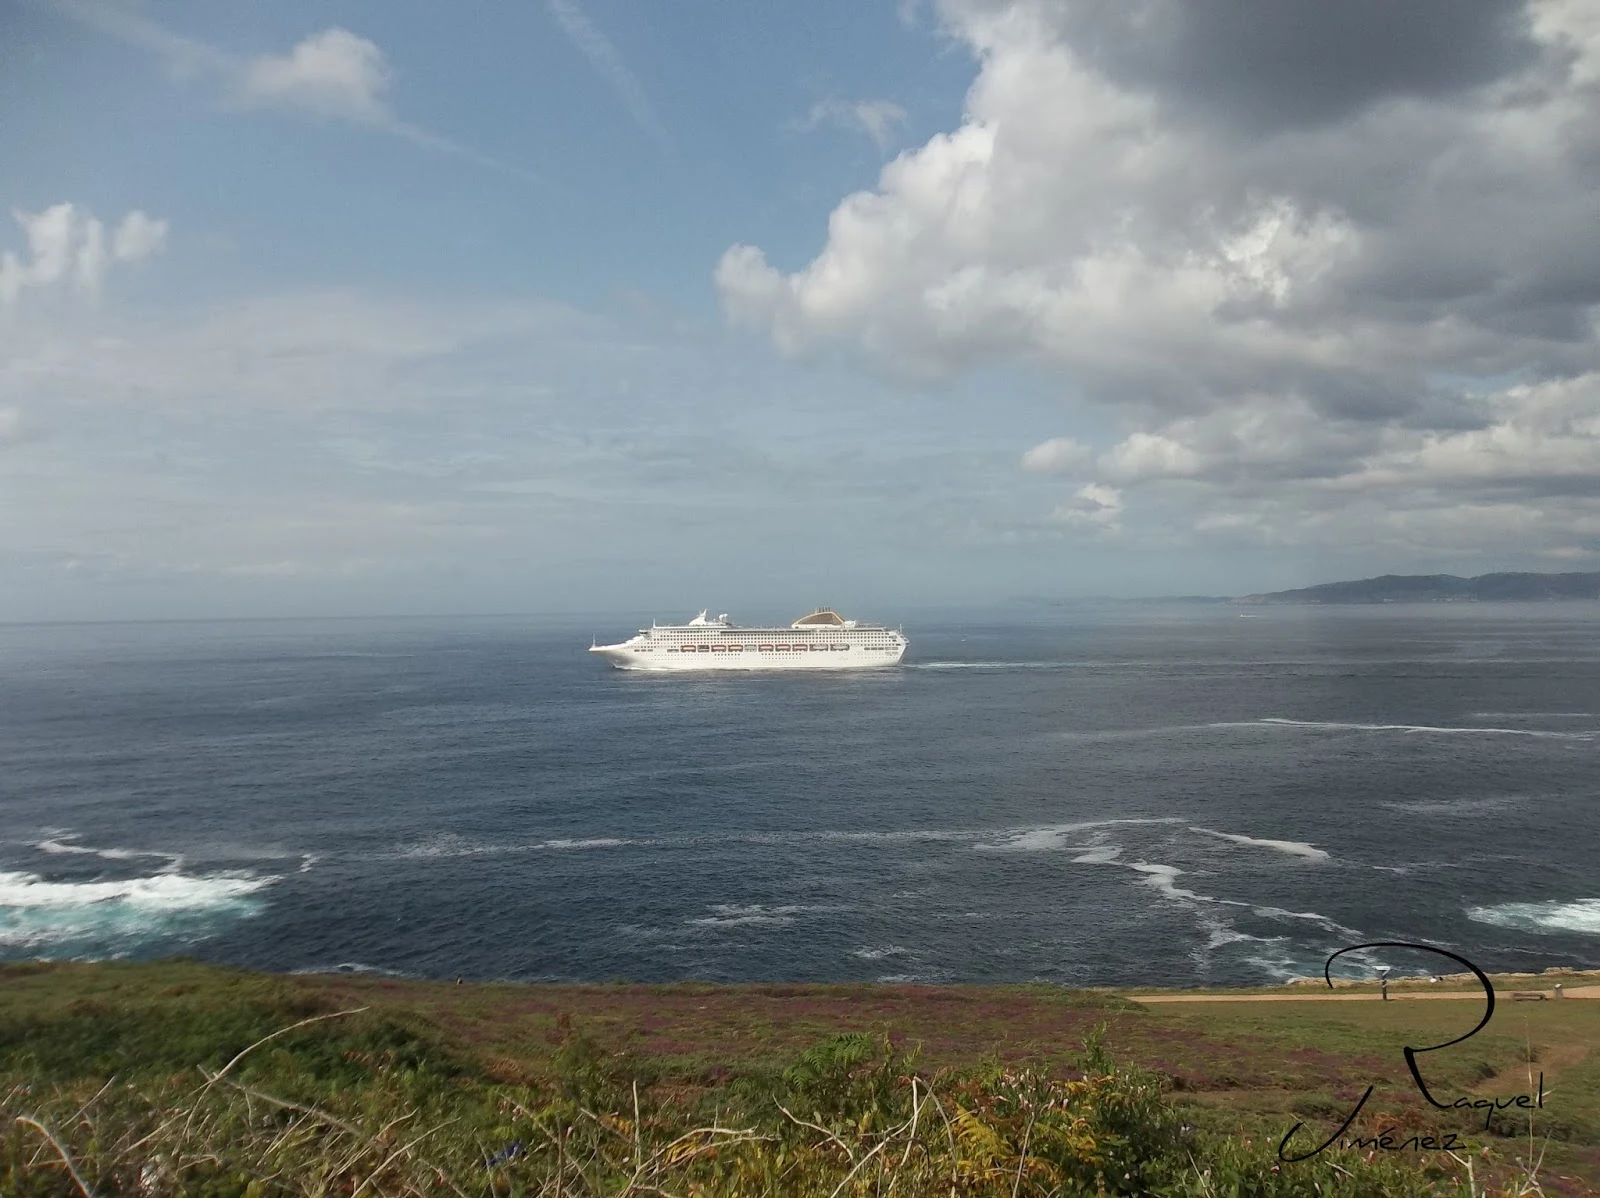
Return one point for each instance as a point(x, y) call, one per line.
point(1164, 879)
point(1536, 715)
point(1225, 934)
point(1053, 837)
point(878, 954)
point(1576, 915)
point(1337, 726)
point(40, 914)
point(1220, 932)
point(728, 915)
point(450, 844)
point(1294, 848)
point(1104, 854)
point(1039, 840)
point(1282, 968)
point(904, 835)
point(352, 967)
point(1321, 921)
point(1456, 806)
point(61, 843)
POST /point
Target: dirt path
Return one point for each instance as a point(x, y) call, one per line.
point(1369, 996)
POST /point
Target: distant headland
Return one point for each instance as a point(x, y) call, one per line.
point(1441, 588)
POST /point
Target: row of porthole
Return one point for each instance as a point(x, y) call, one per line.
point(761, 649)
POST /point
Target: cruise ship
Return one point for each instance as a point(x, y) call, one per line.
point(824, 640)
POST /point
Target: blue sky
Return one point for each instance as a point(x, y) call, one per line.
point(345, 308)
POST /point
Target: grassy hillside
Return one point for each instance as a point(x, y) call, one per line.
point(177, 1078)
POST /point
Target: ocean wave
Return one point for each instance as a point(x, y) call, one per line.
point(1053, 837)
point(1576, 915)
point(732, 915)
point(1100, 854)
point(1338, 726)
point(451, 845)
point(1536, 715)
point(1294, 848)
point(1455, 806)
point(878, 954)
point(1039, 840)
point(1164, 878)
point(891, 836)
point(1221, 933)
point(110, 917)
point(448, 844)
point(61, 843)
point(1322, 921)
point(355, 967)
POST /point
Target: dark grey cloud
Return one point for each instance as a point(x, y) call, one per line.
point(1271, 64)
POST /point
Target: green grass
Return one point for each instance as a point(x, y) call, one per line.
point(751, 1089)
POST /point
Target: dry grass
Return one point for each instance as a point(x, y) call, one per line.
point(285, 1093)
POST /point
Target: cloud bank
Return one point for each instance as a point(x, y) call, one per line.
point(1331, 268)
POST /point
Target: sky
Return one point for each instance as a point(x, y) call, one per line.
point(376, 308)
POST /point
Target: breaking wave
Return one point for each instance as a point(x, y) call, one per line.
point(119, 917)
point(1577, 915)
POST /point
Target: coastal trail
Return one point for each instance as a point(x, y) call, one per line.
point(1367, 996)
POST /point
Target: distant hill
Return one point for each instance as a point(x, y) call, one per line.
point(1441, 588)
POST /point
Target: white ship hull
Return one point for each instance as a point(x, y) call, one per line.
point(821, 641)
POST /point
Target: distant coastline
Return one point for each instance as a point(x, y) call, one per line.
point(1441, 588)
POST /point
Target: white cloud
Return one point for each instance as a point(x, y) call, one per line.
point(68, 245)
point(333, 73)
point(138, 237)
point(1094, 506)
point(1146, 455)
point(1294, 291)
point(877, 119)
point(1059, 455)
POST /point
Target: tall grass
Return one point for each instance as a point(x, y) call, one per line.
point(348, 1104)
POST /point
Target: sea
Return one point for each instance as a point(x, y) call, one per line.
point(1094, 794)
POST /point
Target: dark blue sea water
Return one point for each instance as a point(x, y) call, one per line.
point(1135, 795)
